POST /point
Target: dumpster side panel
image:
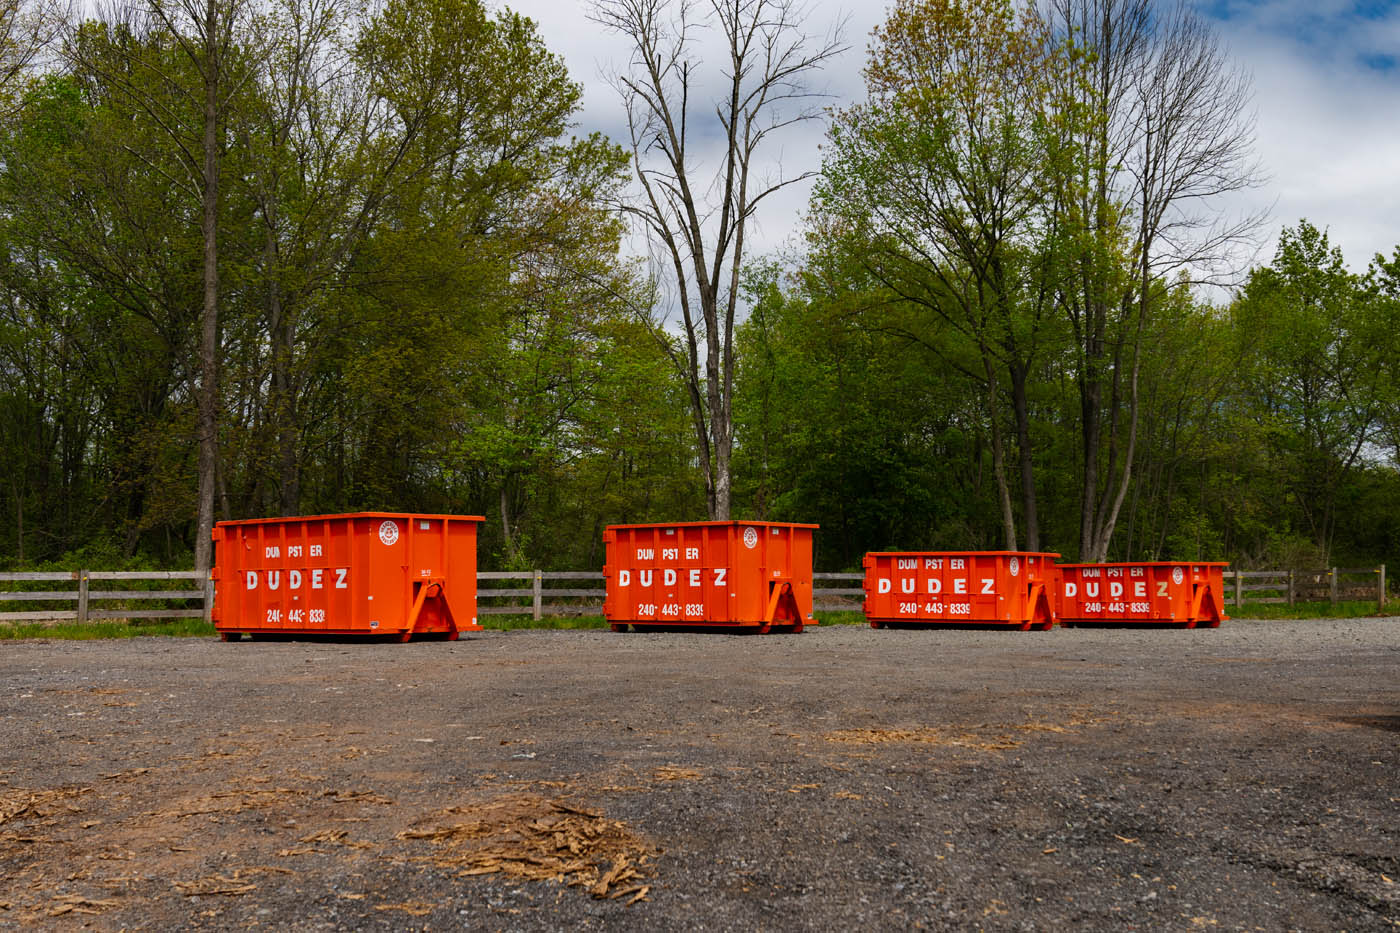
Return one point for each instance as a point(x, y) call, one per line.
point(346, 574)
point(705, 573)
point(987, 587)
point(1156, 592)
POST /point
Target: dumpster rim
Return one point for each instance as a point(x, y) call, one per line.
point(968, 554)
point(718, 523)
point(345, 515)
point(1153, 563)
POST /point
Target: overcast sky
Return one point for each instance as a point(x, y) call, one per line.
point(1327, 94)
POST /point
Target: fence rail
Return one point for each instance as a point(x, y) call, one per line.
point(84, 596)
point(1293, 586)
point(1287, 586)
point(832, 598)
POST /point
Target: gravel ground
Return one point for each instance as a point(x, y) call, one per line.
point(1238, 778)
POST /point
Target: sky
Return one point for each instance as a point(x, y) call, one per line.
point(1326, 77)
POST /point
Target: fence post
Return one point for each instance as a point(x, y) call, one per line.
point(1333, 574)
point(539, 596)
point(208, 599)
point(1380, 590)
point(1239, 589)
point(1290, 588)
point(82, 597)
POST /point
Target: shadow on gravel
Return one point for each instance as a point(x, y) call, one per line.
point(1383, 723)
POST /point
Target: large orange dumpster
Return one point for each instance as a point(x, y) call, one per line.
point(1153, 592)
point(1003, 588)
point(371, 573)
point(755, 575)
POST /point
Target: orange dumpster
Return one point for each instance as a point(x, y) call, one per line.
point(1152, 592)
point(1013, 589)
point(371, 573)
point(727, 575)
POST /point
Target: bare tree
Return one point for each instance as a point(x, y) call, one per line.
point(26, 30)
point(1163, 129)
point(699, 223)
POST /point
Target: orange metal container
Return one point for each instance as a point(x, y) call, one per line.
point(709, 574)
point(1154, 592)
point(1002, 588)
point(371, 573)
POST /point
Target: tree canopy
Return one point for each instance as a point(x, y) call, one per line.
point(371, 251)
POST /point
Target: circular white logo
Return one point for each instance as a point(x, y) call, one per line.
point(388, 532)
point(1015, 567)
point(1177, 575)
point(750, 538)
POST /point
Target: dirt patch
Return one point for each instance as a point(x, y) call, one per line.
point(532, 837)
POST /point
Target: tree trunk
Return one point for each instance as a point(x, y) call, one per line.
point(1008, 515)
point(209, 319)
point(1019, 402)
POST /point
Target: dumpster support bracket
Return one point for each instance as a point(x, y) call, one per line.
point(780, 591)
point(434, 589)
point(1205, 596)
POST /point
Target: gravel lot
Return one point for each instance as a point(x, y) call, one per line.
point(1238, 778)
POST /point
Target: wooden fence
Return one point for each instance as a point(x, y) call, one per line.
point(589, 601)
point(1295, 586)
point(116, 587)
point(577, 597)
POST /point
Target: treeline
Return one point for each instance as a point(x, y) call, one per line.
point(369, 248)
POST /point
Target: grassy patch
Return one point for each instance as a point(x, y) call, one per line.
point(841, 618)
point(1344, 609)
point(136, 628)
point(506, 623)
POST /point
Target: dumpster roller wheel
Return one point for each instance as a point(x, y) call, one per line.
point(618, 626)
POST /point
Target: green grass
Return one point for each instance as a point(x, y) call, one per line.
point(71, 631)
point(1344, 609)
point(507, 623)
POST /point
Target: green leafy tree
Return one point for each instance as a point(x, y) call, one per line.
point(1316, 383)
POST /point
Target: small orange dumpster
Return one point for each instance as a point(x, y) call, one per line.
point(1001, 588)
point(733, 575)
point(371, 573)
point(1152, 593)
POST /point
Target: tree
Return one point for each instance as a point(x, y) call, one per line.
point(944, 180)
point(1159, 121)
point(193, 117)
point(1316, 384)
point(768, 58)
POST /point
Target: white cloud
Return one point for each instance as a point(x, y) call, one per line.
point(1328, 133)
point(1328, 125)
